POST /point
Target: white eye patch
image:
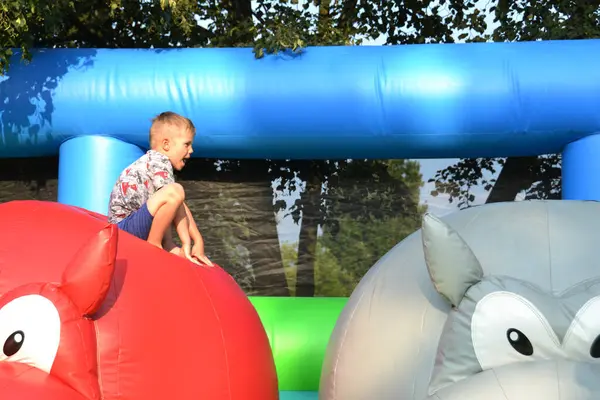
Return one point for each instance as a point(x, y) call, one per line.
point(507, 328)
point(582, 340)
point(30, 332)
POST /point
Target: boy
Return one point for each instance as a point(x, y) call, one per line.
point(146, 201)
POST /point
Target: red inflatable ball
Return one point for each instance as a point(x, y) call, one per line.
point(90, 312)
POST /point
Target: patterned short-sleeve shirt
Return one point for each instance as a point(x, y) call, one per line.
point(137, 183)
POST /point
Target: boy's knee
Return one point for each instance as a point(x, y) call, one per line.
point(174, 193)
point(171, 195)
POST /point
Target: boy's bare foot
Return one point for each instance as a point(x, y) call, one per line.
point(177, 251)
point(159, 245)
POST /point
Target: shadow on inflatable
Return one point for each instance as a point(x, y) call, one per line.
point(497, 302)
point(90, 312)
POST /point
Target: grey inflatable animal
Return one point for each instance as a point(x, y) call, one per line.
point(500, 301)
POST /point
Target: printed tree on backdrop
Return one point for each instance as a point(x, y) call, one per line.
point(365, 211)
point(363, 207)
point(278, 25)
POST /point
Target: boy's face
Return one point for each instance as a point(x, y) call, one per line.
point(179, 148)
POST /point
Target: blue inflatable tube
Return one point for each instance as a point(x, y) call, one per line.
point(88, 169)
point(412, 101)
point(581, 170)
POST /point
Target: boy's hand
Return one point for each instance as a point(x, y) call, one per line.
point(185, 247)
point(198, 253)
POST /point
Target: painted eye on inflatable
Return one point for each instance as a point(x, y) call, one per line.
point(30, 331)
point(582, 340)
point(506, 328)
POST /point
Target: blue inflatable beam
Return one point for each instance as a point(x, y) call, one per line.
point(417, 101)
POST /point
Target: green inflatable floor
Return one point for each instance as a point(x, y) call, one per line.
point(299, 329)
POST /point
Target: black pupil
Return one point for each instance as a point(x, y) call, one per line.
point(595, 349)
point(14, 343)
point(519, 341)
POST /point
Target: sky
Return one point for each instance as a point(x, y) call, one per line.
point(289, 231)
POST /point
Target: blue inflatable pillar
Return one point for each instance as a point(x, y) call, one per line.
point(88, 167)
point(581, 169)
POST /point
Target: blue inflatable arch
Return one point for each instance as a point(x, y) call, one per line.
point(93, 106)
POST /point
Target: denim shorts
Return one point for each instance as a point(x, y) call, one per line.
point(138, 223)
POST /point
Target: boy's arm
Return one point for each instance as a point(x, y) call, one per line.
point(198, 248)
point(194, 231)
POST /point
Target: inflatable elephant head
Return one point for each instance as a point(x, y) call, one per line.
point(500, 301)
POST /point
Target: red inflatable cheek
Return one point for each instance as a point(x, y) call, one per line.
point(28, 383)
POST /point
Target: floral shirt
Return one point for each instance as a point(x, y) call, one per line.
point(137, 183)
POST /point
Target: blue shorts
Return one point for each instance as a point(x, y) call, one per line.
point(138, 223)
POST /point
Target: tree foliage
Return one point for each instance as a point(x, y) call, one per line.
point(270, 26)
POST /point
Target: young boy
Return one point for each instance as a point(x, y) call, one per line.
point(146, 200)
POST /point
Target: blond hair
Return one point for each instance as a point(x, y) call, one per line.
point(163, 124)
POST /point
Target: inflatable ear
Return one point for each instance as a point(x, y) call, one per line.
point(452, 266)
point(87, 278)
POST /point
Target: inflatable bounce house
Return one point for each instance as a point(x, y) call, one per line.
point(494, 302)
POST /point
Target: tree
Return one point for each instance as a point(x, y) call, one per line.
point(281, 24)
point(365, 219)
point(372, 216)
point(363, 191)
